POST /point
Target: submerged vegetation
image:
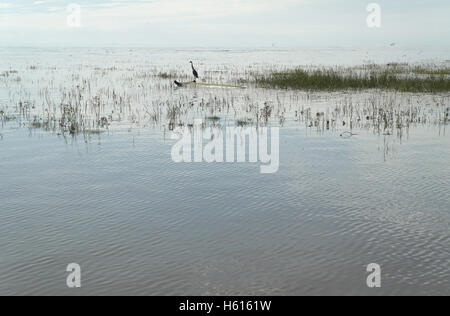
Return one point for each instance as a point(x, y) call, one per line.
point(167, 75)
point(214, 118)
point(395, 77)
point(90, 101)
point(243, 122)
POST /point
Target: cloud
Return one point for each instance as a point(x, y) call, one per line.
point(119, 14)
point(207, 22)
point(5, 5)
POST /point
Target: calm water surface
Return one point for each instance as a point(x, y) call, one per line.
point(140, 224)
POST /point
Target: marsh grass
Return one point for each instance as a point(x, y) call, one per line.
point(243, 122)
point(368, 77)
point(38, 125)
point(167, 75)
point(430, 71)
point(92, 101)
point(213, 118)
point(8, 118)
point(426, 69)
point(93, 132)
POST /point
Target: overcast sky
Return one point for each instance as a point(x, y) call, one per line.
point(225, 23)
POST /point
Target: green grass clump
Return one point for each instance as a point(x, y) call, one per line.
point(243, 122)
point(93, 132)
point(37, 125)
point(343, 79)
point(8, 118)
point(167, 75)
point(213, 118)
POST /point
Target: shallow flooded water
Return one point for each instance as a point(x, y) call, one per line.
point(87, 176)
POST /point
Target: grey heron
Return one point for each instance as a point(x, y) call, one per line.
point(194, 72)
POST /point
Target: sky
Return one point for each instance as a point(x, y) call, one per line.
point(224, 23)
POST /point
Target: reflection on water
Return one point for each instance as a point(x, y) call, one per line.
point(87, 177)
